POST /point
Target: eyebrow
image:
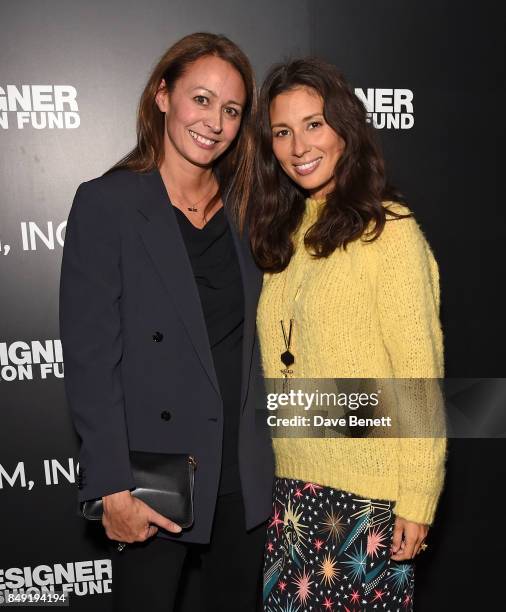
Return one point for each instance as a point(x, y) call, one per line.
point(215, 94)
point(275, 125)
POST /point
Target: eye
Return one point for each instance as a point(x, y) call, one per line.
point(233, 112)
point(315, 124)
point(203, 100)
point(280, 133)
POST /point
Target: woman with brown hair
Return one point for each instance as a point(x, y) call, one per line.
point(157, 304)
point(351, 291)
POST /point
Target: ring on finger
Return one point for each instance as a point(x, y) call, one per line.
point(423, 546)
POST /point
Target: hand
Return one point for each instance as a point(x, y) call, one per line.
point(408, 537)
point(128, 519)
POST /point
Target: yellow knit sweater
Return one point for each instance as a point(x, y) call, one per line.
point(370, 311)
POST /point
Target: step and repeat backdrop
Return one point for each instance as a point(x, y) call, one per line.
point(431, 77)
point(434, 75)
point(71, 76)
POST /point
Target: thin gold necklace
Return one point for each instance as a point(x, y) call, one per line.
point(193, 206)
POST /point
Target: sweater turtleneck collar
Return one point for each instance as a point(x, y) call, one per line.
point(313, 207)
point(315, 201)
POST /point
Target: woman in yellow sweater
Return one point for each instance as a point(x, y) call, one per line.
point(351, 290)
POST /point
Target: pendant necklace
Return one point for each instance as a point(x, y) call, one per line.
point(193, 206)
point(287, 357)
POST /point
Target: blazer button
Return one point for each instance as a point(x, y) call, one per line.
point(157, 336)
point(165, 415)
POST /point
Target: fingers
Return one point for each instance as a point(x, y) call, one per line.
point(406, 550)
point(421, 539)
point(416, 548)
point(418, 543)
point(413, 535)
point(397, 537)
point(135, 522)
point(151, 530)
point(147, 531)
point(410, 538)
point(163, 522)
point(132, 525)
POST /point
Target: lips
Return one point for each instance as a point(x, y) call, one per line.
point(307, 167)
point(202, 141)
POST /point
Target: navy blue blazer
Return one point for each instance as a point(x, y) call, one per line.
point(139, 371)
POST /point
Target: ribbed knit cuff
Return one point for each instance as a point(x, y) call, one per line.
point(416, 507)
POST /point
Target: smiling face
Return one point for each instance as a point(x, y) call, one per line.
point(304, 144)
point(203, 112)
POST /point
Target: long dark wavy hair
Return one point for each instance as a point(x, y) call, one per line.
point(359, 187)
point(234, 168)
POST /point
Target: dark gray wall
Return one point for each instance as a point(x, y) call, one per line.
point(450, 166)
point(106, 51)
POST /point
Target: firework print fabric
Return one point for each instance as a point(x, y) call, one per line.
point(328, 550)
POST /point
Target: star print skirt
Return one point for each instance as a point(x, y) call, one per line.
point(329, 550)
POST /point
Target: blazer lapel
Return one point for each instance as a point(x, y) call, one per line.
point(163, 240)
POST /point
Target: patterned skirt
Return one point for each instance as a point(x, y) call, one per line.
point(328, 550)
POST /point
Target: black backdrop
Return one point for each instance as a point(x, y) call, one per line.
point(450, 166)
point(449, 56)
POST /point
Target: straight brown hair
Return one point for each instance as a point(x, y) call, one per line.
point(234, 169)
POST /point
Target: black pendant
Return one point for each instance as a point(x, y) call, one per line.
point(287, 359)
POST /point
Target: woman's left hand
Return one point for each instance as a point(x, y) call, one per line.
point(407, 539)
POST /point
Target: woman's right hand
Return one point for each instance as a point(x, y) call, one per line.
point(128, 519)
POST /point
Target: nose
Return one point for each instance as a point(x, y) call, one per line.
point(299, 145)
point(214, 121)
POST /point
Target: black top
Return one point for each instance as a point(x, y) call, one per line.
point(218, 276)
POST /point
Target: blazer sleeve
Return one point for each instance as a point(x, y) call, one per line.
point(91, 336)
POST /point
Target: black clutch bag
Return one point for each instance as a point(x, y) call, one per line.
point(163, 481)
